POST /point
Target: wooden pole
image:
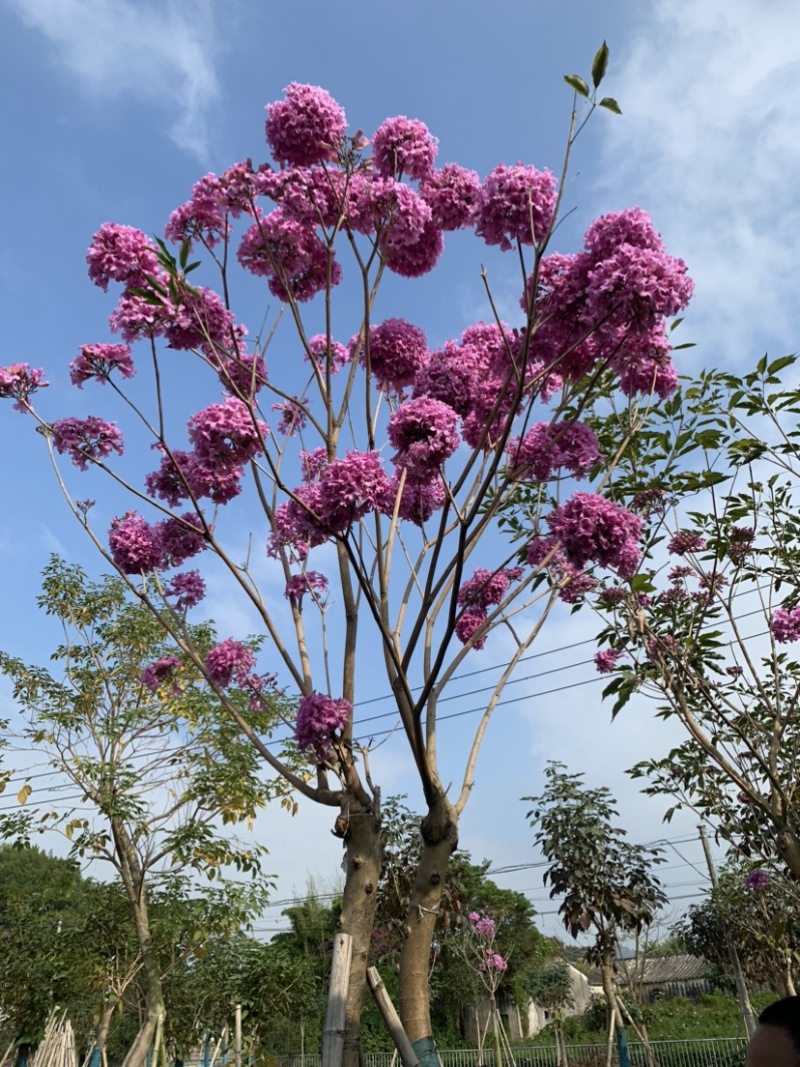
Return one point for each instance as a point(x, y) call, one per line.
point(610, 1051)
point(333, 1034)
point(237, 1036)
point(404, 1047)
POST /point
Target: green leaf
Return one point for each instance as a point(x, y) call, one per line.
point(577, 83)
point(610, 104)
point(600, 64)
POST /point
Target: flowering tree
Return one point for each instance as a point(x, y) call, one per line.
point(707, 627)
point(424, 496)
point(490, 966)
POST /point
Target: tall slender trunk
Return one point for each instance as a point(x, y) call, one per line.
point(135, 890)
point(607, 975)
point(103, 1027)
point(439, 838)
point(361, 829)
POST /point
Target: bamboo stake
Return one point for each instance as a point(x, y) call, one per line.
point(401, 1042)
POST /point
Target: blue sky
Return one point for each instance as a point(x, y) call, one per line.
point(111, 109)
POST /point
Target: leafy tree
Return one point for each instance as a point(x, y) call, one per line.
point(551, 987)
point(605, 883)
point(706, 628)
point(157, 763)
point(755, 911)
point(473, 527)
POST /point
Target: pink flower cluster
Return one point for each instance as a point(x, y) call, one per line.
point(19, 381)
point(483, 926)
point(425, 434)
point(517, 204)
point(572, 581)
point(154, 676)
point(86, 440)
point(476, 596)
point(183, 476)
point(606, 305)
point(549, 447)
point(121, 254)
point(306, 582)
point(226, 435)
point(786, 625)
point(402, 146)
point(396, 353)
point(453, 195)
point(187, 588)
point(229, 661)
point(290, 255)
point(98, 361)
point(319, 718)
point(606, 660)
point(592, 529)
point(138, 547)
point(757, 880)
point(493, 962)
point(306, 127)
point(685, 541)
point(325, 353)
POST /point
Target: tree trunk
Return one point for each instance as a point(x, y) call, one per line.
point(135, 890)
point(103, 1027)
point(607, 973)
point(439, 839)
point(361, 829)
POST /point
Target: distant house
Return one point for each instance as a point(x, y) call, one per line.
point(524, 1020)
point(664, 976)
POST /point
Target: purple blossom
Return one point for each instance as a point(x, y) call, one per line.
point(418, 500)
point(485, 588)
point(199, 321)
point(404, 147)
point(181, 538)
point(447, 377)
point(425, 434)
point(685, 541)
point(493, 962)
point(306, 582)
point(313, 463)
point(757, 880)
point(593, 529)
point(606, 660)
point(188, 589)
point(517, 204)
point(86, 440)
point(548, 447)
point(350, 488)
point(98, 361)
point(297, 522)
point(294, 415)
point(243, 374)
point(306, 126)
point(154, 676)
point(319, 719)
point(485, 927)
point(398, 351)
point(290, 255)
point(453, 195)
point(227, 435)
point(786, 625)
point(229, 661)
point(136, 317)
point(468, 623)
point(18, 381)
point(326, 353)
point(121, 254)
point(183, 477)
point(135, 544)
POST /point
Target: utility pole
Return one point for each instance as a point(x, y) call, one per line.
point(741, 989)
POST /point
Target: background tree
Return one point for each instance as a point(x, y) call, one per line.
point(755, 910)
point(472, 527)
point(706, 628)
point(551, 987)
point(606, 883)
point(133, 729)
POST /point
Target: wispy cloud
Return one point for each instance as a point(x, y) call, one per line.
point(160, 52)
point(708, 144)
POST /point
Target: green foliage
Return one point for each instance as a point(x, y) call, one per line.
point(604, 881)
point(717, 466)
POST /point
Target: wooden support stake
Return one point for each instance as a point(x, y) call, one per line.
point(333, 1034)
point(237, 1036)
point(404, 1047)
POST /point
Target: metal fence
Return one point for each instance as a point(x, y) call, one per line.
point(702, 1052)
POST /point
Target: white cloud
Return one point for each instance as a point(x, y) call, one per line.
point(159, 52)
point(708, 144)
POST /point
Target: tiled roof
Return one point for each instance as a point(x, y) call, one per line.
point(662, 969)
